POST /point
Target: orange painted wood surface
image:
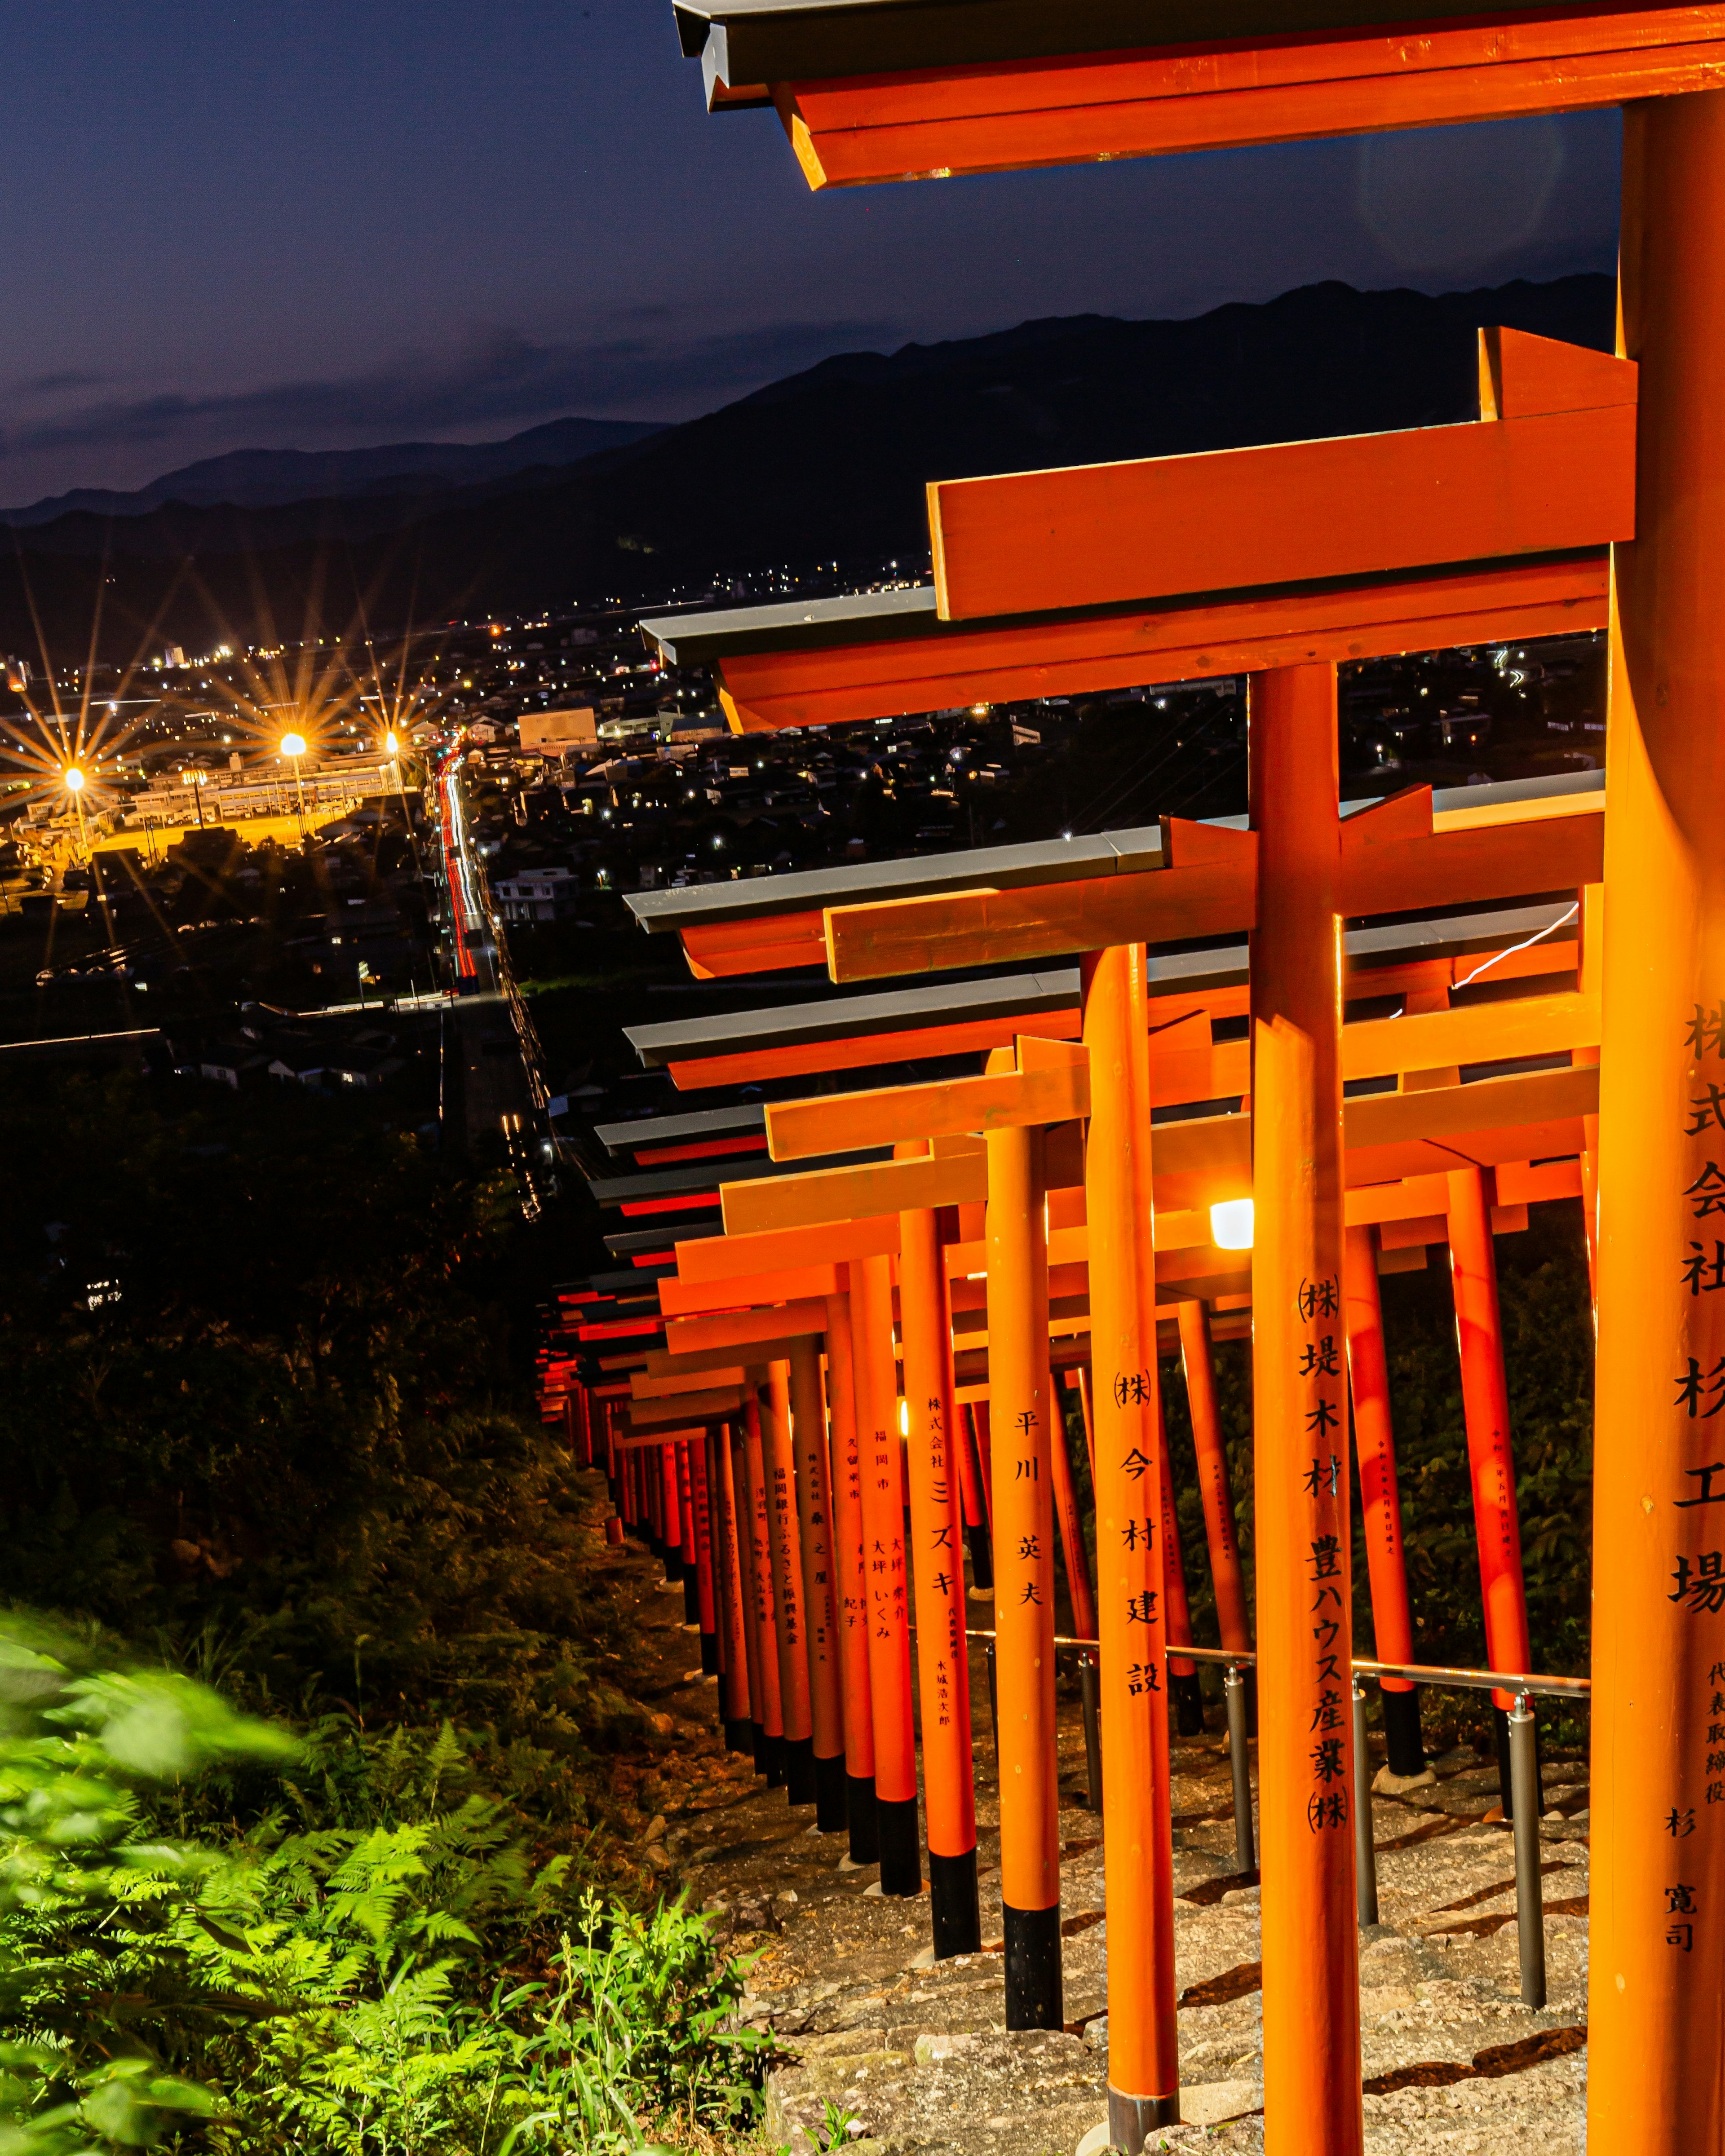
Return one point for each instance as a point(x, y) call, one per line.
point(863, 1052)
point(737, 1257)
point(896, 1186)
point(712, 1149)
point(981, 927)
point(1361, 505)
point(1012, 116)
point(719, 949)
point(1452, 865)
point(786, 1284)
point(804, 1130)
point(746, 1328)
point(1183, 640)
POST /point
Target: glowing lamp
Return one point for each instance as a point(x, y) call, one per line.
point(75, 780)
point(904, 1418)
point(391, 746)
point(293, 744)
point(1231, 1225)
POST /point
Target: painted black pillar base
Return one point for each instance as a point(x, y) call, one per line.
point(772, 1749)
point(757, 1745)
point(1189, 1704)
point(1402, 1732)
point(982, 1557)
point(952, 1903)
point(709, 1654)
point(1133, 2119)
point(900, 1859)
point(829, 1806)
point(1033, 1990)
point(691, 1595)
point(799, 1770)
point(860, 1811)
point(673, 1562)
point(739, 1736)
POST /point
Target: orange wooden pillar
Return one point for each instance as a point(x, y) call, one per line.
point(1227, 1575)
point(1311, 2047)
point(626, 1487)
point(670, 1510)
point(1079, 1584)
point(759, 1563)
point(779, 1459)
point(887, 1574)
point(1657, 1959)
point(972, 1489)
point(728, 1577)
point(1020, 1407)
point(1485, 1400)
point(937, 1577)
point(822, 1630)
point(705, 1600)
point(1380, 1497)
point(685, 1535)
point(852, 1583)
point(1089, 1420)
point(1143, 2061)
point(747, 1601)
point(1177, 1614)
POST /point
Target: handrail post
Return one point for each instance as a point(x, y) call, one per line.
point(1089, 1694)
point(1530, 1912)
point(1365, 1856)
point(1234, 1688)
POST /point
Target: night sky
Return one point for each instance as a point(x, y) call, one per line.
point(309, 225)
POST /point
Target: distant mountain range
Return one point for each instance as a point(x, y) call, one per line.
point(829, 464)
point(267, 478)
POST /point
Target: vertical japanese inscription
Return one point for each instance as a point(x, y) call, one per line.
point(1318, 1372)
point(1695, 1578)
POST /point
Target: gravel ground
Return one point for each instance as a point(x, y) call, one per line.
point(916, 2052)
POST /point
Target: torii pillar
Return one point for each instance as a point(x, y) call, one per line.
point(1656, 1962)
point(1312, 2103)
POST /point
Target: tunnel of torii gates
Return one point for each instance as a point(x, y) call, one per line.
point(888, 89)
point(802, 1419)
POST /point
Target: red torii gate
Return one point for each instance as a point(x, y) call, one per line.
point(1004, 542)
point(871, 91)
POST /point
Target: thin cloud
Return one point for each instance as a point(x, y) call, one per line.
point(494, 378)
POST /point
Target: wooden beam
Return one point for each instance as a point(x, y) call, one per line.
point(1359, 505)
point(1212, 893)
point(733, 1257)
point(862, 1051)
point(744, 1329)
point(957, 1177)
point(1204, 1158)
point(1218, 94)
point(645, 1385)
point(688, 1407)
point(1451, 865)
point(804, 1130)
point(679, 1298)
point(1245, 633)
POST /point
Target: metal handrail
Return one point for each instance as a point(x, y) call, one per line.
point(1524, 1774)
point(1425, 1673)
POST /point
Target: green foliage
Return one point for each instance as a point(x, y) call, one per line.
point(100, 1998)
point(298, 1437)
point(380, 1967)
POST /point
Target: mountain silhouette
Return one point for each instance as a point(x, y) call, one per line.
point(828, 465)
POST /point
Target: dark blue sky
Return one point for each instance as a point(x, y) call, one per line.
point(306, 225)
